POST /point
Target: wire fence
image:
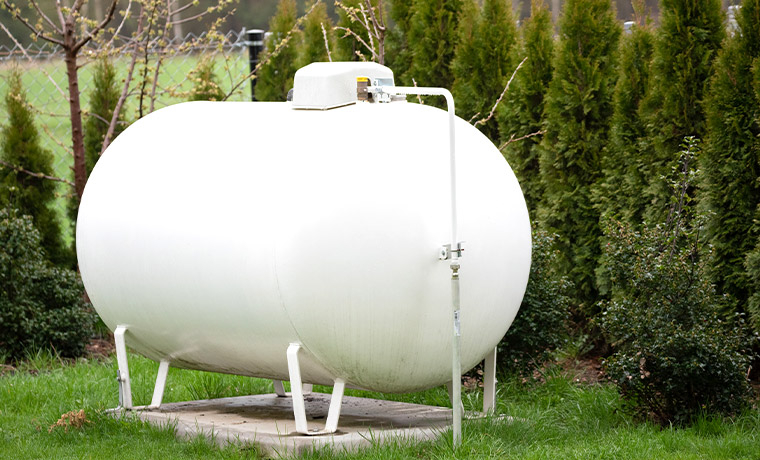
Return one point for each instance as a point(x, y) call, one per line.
point(44, 79)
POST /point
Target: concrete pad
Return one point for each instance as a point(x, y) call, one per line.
point(267, 422)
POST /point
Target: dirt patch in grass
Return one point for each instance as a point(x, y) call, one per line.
point(6, 369)
point(100, 348)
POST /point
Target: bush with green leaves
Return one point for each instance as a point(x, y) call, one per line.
point(41, 306)
point(25, 161)
point(541, 324)
point(675, 355)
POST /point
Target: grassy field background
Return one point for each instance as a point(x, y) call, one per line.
point(556, 418)
point(41, 76)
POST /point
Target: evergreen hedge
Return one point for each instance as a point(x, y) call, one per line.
point(522, 111)
point(731, 158)
point(619, 194)
point(578, 112)
point(484, 60)
point(688, 39)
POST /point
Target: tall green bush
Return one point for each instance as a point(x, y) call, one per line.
point(484, 60)
point(688, 40)
point(731, 158)
point(541, 324)
point(41, 306)
point(32, 195)
point(205, 85)
point(675, 356)
point(619, 194)
point(347, 47)
point(578, 112)
point(522, 111)
point(102, 103)
point(432, 39)
point(398, 55)
point(313, 48)
point(275, 78)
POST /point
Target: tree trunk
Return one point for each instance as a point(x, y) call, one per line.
point(75, 109)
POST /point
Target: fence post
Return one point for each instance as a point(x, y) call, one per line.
point(255, 46)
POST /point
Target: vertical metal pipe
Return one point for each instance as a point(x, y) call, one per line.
point(255, 47)
point(456, 367)
point(456, 364)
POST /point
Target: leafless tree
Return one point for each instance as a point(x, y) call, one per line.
point(370, 18)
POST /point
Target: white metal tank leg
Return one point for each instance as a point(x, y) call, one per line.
point(336, 401)
point(296, 389)
point(158, 391)
point(125, 389)
point(489, 383)
point(279, 388)
point(307, 387)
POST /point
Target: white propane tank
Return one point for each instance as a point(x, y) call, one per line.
point(221, 232)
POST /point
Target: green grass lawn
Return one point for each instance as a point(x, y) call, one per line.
point(556, 419)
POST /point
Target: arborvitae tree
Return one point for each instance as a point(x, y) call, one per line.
point(688, 39)
point(578, 114)
point(312, 47)
point(275, 78)
point(484, 60)
point(731, 160)
point(752, 262)
point(102, 102)
point(620, 193)
point(432, 39)
point(466, 60)
point(398, 54)
point(20, 149)
point(205, 86)
point(347, 47)
point(522, 112)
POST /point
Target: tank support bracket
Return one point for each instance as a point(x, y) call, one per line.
point(279, 388)
point(489, 383)
point(125, 389)
point(158, 391)
point(299, 405)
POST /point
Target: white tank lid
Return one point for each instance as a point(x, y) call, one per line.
point(324, 85)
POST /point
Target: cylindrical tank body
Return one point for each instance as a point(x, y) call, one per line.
point(221, 232)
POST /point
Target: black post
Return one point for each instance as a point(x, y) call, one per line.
point(255, 46)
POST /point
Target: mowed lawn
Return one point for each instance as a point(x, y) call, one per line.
point(555, 418)
point(47, 91)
